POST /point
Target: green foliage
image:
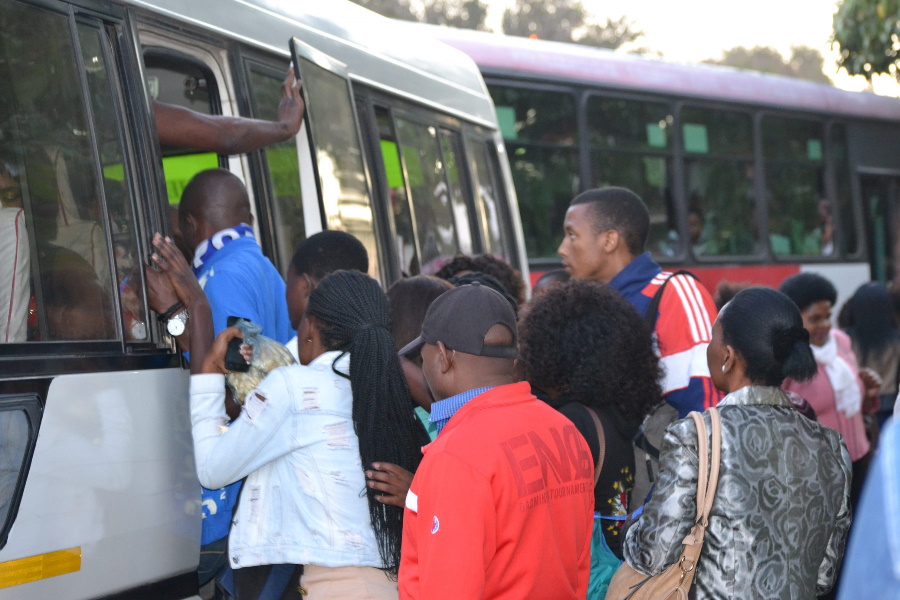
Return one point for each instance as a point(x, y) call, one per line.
point(804, 63)
point(465, 14)
point(566, 21)
point(868, 34)
point(395, 9)
point(614, 34)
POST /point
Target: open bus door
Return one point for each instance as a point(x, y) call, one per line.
point(880, 196)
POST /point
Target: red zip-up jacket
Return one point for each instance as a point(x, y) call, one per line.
point(501, 505)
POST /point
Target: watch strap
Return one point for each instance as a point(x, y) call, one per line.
point(171, 312)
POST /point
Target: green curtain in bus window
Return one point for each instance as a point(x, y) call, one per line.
point(800, 211)
point(846, 236)
point(283, 173)
point(527, 115)
point(546, 180)
point(48, 176)
point(721, 205)
point(650, 178)
point(621, 124)
point(342, 176)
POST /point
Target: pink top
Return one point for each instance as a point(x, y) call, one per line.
point(820, 395)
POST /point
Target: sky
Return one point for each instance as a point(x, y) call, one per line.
point(694, 30)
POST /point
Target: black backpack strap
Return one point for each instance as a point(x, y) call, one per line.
point(653, 310)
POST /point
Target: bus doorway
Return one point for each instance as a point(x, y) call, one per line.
point(880, 195)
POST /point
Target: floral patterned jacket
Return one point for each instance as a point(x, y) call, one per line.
point(780, 517)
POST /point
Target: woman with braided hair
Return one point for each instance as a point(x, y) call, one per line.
point(302, 440)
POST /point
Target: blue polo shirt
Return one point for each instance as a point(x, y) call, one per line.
point(240, 281)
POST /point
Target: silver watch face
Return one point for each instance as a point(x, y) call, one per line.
point(176, 325)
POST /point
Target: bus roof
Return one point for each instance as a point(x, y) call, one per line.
point(376, 50)
point(541, 60)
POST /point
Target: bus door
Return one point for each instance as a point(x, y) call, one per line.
point(880, 198)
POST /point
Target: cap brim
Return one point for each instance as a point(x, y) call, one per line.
point(412, 347)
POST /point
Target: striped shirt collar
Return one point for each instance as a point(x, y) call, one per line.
point(442, 410)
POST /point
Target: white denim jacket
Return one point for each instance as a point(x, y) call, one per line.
point(304, 499)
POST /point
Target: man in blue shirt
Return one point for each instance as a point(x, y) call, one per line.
point(215, 221)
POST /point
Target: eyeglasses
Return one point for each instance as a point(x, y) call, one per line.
point(10, 194)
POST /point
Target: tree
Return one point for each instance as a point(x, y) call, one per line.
point(868, 34)
point(465, 14)
point(614, 34)
point(804, 63)
point(566, 21)
point(395, 9)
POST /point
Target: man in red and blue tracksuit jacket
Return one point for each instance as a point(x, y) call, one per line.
point(606, 230)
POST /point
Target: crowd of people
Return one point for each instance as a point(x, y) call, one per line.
point(451, 437)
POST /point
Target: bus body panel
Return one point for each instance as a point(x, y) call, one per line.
point(367, 43)
point(542, 60)
point(113, 476)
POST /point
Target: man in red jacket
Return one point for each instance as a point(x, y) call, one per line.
point(502, 503)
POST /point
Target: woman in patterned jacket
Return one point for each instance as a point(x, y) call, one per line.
point(781, 512)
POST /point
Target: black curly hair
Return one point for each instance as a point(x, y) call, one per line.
point(488, 264)
point(583, 341)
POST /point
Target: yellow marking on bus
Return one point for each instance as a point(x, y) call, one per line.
point(42, 566)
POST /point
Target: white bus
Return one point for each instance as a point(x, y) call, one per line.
point(98, 493)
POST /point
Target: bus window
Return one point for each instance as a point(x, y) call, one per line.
point(338, 152)
point(631, 146)
point(49, 163)
point(540, 131)
point(281, 159)
point(800, 220)
point(846, 237)
point(432, 207)
point(449, 143)
point(180, 81)
point(488, 197)
point(718, 150)
point(405, 240)
point(119, 206)
point(19, 420)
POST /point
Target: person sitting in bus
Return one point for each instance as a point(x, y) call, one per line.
point(605, 235)
point(222, 134)
point(301, 452)
point(15, 260)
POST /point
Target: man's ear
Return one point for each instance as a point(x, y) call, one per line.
point(610, 241)
point(446, 356)
point(308, 284)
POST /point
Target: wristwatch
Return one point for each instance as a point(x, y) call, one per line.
point(175, 319)
point(177, 323)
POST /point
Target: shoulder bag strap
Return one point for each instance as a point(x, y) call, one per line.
point(601, 444)
point(702, 469)
point(716, 439)
point(652, 312)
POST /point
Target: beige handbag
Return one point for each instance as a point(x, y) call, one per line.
point(675, 582)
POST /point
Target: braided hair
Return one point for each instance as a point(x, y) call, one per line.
point(352, 314)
